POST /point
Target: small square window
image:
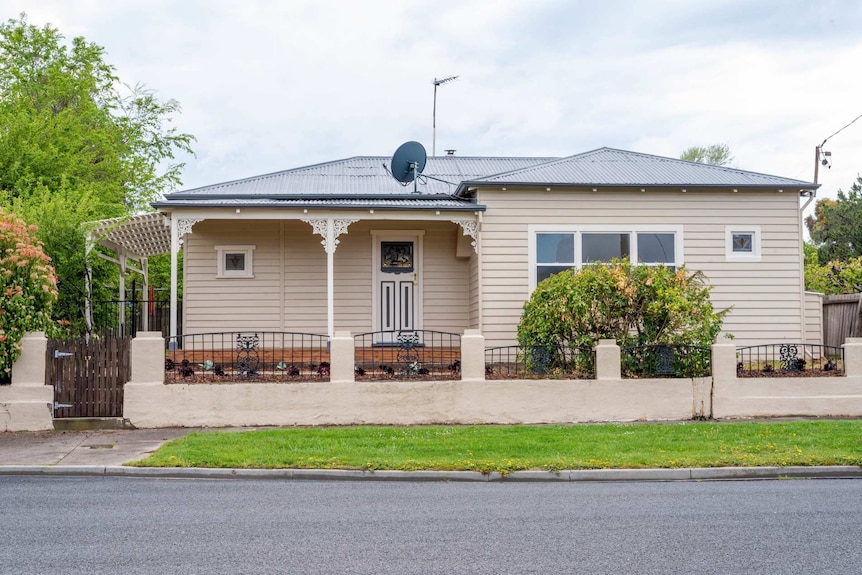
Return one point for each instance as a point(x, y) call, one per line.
point(235, 261)
point(742, 244)
point(396, 257)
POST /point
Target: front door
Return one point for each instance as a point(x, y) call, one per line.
point(398, 276)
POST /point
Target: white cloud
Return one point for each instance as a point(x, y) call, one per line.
point(268, 85)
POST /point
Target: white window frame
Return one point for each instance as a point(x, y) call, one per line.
point(577, 230)
point(752, 256)
point(223, 251)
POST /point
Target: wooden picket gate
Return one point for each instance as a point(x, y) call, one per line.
point(88, 374)
point(842, 318)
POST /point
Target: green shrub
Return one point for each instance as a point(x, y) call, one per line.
point(28, 287)
point(634, 305)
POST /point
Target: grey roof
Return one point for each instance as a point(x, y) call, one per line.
point(360, 176)
point(611, 167)
point(364, 181)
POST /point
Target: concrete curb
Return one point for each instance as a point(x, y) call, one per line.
point(579, 475)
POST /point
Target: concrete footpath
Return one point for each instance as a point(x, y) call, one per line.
point(104, 452)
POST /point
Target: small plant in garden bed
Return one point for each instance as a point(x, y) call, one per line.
point(413, 371)
point(211, 372)
point(760, 369)
point(508, 371)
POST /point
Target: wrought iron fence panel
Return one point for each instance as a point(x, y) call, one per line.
point(789, 359)
point(155, 315)
point(539, 362)
point(247, 356)
point(665, 360)
point(407, 354)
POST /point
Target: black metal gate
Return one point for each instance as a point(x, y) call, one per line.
point(88, 374)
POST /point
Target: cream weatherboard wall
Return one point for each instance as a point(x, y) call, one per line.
point(288, 289)
point(765, 293)
point(212, 304)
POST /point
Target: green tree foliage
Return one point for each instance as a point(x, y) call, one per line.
point(28, 287)
point(835, 277)
point(716, 154)
point(635, 305)
point(77, 145)
point(836, 226)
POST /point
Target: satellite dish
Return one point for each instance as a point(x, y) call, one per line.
point(408, 161)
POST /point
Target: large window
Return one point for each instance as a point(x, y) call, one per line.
point(557, 248)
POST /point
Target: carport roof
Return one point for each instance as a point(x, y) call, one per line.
point(144, 235)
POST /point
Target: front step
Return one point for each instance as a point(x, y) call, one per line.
point(88, 423)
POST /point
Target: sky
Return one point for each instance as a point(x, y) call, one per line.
point(270, 85)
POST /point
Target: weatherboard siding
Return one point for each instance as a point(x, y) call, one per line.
point(474, 292)
point(214, 304)
point(813, 317)
point(765, 296)
point(288, 290)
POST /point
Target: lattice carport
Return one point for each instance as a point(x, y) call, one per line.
point(132, 239)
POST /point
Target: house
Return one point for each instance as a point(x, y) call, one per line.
point(342, 246)
point(336, 279)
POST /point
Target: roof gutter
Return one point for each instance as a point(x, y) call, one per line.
point(317, 206)
point(806, 189)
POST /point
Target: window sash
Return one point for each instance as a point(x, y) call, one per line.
point(660, 245)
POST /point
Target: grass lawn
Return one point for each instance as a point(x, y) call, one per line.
point(510, 448)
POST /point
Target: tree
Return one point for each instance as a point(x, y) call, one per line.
point(77, 145)
point(716, 154)
point(635, 305)
point(834, 278)
point(28, 288)
point(836, 226)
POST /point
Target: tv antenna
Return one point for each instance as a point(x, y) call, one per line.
point(408, 161)
point(437, 82)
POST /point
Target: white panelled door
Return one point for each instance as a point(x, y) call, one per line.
point(397, 273)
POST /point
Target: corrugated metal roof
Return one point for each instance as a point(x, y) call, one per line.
point(360, 176)
point(363, 181)
point(610, 167)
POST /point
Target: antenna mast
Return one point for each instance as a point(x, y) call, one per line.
point(436, 83)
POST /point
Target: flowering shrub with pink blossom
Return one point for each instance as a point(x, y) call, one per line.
point(28, 287)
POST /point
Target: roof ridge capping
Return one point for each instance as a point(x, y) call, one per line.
point(592, 169)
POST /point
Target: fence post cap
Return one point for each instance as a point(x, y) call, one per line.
point(724, 344)
point(342, 334)
point(853, 341)
point(472, 332)
point(34, 335)
point(149, 335)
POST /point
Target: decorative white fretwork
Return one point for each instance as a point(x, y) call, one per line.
point(329, 230)
point(471, 228)
point(184, 226)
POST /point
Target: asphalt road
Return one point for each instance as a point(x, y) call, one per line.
point(129, 525)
